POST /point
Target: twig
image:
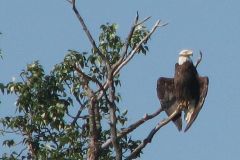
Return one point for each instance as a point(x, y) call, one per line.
point(199, 59)
point(143, 21)
point(132, 127)
point(148, 139)
point(69, 1)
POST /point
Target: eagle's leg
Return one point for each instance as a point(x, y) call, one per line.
point(189, 110)
point(186, 103)
point(183, 104)
point(186, 106)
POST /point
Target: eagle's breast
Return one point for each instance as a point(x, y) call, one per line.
point(186, 82)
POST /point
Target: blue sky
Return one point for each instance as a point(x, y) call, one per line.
point(44, 30)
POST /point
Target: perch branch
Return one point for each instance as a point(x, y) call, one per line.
point(148, 139)
point(132, 127)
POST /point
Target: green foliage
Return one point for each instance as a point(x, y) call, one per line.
point(109, 43)
point(52, 118)
point(140, 32)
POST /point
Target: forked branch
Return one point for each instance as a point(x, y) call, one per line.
point(134, 51)
point(133, 126)
point(148, 139)
point(128, 39)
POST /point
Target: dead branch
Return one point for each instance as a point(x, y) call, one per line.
point(143, 21)
point(133, 126)
point(124, 60)
point(199, 59)
point(133, 52)
point(148, 139)
point(128, 40)
point(122, 63)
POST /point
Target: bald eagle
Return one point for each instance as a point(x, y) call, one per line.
point(186, 91)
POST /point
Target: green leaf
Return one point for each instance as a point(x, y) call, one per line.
point(8, 143)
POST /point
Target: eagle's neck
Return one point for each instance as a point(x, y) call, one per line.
point(183, 59)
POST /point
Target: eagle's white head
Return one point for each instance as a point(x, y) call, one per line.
point(184, 56)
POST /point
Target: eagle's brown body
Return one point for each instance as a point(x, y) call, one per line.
point(186, 83)
point(186, 90)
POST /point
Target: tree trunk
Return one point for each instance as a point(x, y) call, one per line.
point(94, 132)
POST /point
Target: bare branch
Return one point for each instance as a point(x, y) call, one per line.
point(148, 139)
point(71, 2)
point(199, 59)
point(90, 38)
point(132, 127)
point(163, 25)
point(128, 40)
point(117, 67)
point(143, 21)
point(132, 53)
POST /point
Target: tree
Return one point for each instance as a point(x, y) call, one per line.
point(73, 112)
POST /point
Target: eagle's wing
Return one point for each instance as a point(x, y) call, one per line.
point(165, 92)
point(203, 84)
